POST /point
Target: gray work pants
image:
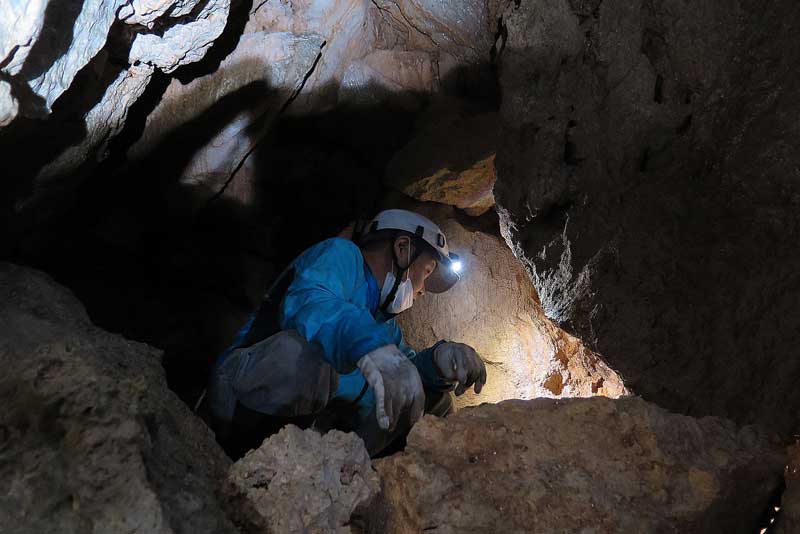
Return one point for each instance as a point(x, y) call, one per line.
point(285, 376)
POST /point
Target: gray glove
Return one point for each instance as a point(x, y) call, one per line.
point(460, 363)
point(397, 385)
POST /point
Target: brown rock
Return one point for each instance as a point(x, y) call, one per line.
point(450, 161)
point(494, 308)
point(91, 438)
point(301, 482)
point(578, 465)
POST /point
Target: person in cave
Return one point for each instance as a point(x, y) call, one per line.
point(324, 349)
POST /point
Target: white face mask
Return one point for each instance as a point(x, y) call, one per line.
point(404, 297)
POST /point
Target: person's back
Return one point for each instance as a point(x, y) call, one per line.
point(324, 339)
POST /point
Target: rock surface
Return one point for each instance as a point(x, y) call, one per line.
point(91, 438)
point(579, 465)
point(450, 161)
point(789, 518)
point(648, 175)
point(299, 481)
point(494, 308)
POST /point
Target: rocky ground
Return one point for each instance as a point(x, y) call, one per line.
point(621, 177)
point(94, 441)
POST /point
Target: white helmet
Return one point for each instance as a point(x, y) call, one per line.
point(448, 266)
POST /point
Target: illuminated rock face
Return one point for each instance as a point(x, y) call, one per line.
point(577, 465)
point(91, 438)
point(494, 308)
point(450, 160)
point(91, 61)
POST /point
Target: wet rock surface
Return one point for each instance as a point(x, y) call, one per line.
point(648, 173)
point(577, 465)
point(299, 481)
point(494, 308)
point(91, 438)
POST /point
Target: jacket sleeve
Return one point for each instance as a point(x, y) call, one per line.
point(319, 304)
point(422, 360)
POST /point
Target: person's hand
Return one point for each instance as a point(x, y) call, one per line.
point(460, 363)
point(397, 385)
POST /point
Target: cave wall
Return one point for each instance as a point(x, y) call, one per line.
point(647, 174)
point(190, 149)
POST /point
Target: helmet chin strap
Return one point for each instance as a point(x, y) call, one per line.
point(398, 279)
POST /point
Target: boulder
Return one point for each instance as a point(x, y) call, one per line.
point(647, 173)
point(91, 438)
point(577, 465)
point(299, 481)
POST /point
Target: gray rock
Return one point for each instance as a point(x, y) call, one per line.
point(89, 33)
point(22, 23)
point(647, 173)
point(91, 438)
point(103, 122)
point(8, 104)
point(258, 76)
point(146, 12)
point(301, 482)
point(595, 465)
point(182, 43)
point(450, 160)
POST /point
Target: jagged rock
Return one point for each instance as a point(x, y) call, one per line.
point(301, 482)
point(182, 43)
point(104, 121)
point(146, 12)
point(220, 116)
point(89, 32)
point(789, 518)
point(450, 161)
point(647, 173)
point(577, 465)
point(91, 438)
point(494, 308)
point(22, 22)
point(8, 104)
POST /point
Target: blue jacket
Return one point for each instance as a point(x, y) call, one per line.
point(333, 301)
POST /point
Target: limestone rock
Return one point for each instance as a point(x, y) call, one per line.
point(450, 161)
point(104, 121)
point(182, 43)
point(22, 23)
point(494, 308)
point(8, 104)
point(578, 465)
point(301, 482)
point(91, 438)
point(647, 172)
point(229, 109)
point(89, 32)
